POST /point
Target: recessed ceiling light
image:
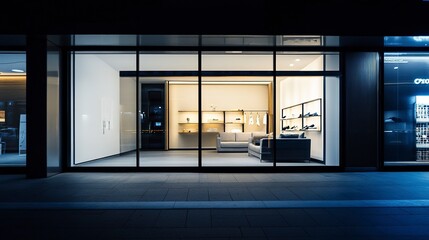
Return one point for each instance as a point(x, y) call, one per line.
point(297, 60)
point(291, 65)
point(17, 70)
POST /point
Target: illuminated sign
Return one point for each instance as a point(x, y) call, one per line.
point(421, 81)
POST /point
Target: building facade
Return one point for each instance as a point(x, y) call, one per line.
point(84, 89)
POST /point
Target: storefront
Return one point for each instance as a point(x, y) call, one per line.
point(216, 103)
point(206, 107)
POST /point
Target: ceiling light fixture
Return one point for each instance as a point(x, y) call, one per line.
point(17, 70)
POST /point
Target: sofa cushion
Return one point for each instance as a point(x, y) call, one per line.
point(227, 137)
point(242, 136)
point(256, 139)
point(234, 144)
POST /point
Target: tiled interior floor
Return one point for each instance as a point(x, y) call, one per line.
point(345, 205)
point(187, 158)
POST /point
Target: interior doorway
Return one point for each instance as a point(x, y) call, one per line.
point(152, 117)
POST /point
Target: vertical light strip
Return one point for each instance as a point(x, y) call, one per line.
point(74, 103)
point(137, 103)
point(274, 102)
point(199, 103)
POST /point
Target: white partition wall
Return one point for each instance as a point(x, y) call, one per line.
point(97, 103)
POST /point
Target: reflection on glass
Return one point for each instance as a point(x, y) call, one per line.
point(169, 40)
point(53, 111)
point(406, 112)
point(104, 40)
point(237, 40)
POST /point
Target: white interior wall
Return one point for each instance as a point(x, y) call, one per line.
point(223, 97)
point(181, 98)
point(97, 109)
point(296, 90)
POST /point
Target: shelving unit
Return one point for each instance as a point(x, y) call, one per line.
point(212, 121)
point(218, 121)
point(422, 131)
point(234, 121)
point(305, 116)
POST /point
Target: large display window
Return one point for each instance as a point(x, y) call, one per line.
point(406, 108)
point(13, 143)
point(205, 108)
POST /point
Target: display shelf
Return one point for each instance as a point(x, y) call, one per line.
point(306, 116)
point(422, 129)
point(221, 120)
point(214, 121)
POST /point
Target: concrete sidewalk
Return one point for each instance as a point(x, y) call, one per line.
point(349, 205)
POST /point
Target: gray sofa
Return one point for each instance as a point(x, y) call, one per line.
point(233, 142)
point(288, 149)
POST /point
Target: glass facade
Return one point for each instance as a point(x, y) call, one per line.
point(146, 106)
point(406, 112)
point(13, 109)
point(199, 108)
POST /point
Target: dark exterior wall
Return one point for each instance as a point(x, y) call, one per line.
point(360, 108)
point(36, 106)
point(337, 17)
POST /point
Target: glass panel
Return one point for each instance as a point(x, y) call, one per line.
point(236, 107)
point(332, 62)
point(406, 112)
point(406, 41)
point(53, 110)
point(308, 113)
point(104, 109)
point(168, 103)
point(289, 61)
point(104, 40)
point(168, 40)
point(332, 121)
point(300, 131)
point(168, 61)
point(332, 41)
point(299, 40)
point(13, 109)
point(237, 40)
point(237, 61)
